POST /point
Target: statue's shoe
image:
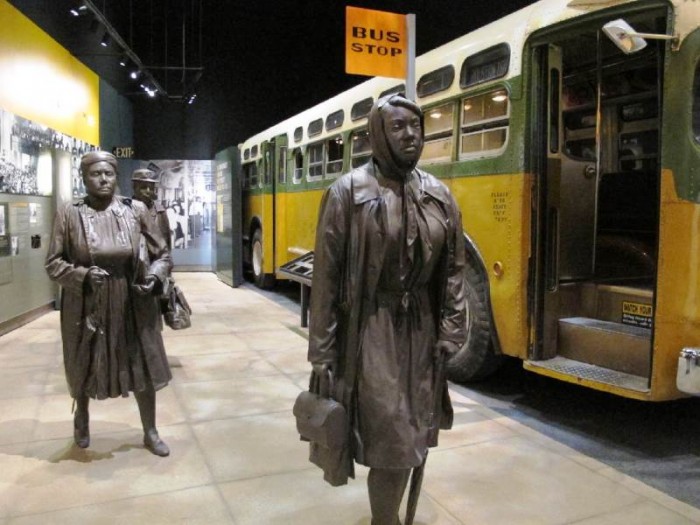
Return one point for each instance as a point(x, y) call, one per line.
point(157, 446)
point(81, 431)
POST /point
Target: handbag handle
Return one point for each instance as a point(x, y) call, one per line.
point(323, 386)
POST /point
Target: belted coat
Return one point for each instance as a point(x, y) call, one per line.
point(68, 261)
point(348, 260)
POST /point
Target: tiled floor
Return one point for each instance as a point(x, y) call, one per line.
point(236, 457)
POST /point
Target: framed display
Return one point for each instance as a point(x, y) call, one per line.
point(3, 219)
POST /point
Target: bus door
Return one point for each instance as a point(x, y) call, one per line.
point(279, 184)
point(597, 142)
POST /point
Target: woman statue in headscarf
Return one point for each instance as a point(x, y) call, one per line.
point(108, 256)
point(387, 304)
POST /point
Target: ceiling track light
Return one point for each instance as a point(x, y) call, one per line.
point(79, 10)
point(106, 39)
point(123, 60)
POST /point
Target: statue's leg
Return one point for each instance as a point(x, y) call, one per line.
point(147, 408)
point(81, 421)
point(386, 488)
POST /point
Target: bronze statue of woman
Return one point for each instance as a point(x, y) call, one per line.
point(387, 303)
point(110, 260)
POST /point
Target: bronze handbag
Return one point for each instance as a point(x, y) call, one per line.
point(320, 419)
point(177, 311)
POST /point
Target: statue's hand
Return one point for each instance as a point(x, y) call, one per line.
point(96, 277)
point(148, 287)
point(321, 369)
point(445, 348)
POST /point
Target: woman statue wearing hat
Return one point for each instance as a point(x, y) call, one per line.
point(112, 343)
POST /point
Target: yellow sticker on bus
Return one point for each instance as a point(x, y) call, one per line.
point(637, 314)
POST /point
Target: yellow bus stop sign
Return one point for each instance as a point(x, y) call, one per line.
point(375, 43)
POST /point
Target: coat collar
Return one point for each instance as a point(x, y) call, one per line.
point(117, 206)
point(365, 185)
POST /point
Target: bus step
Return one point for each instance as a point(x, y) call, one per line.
point(613, 346)
point(588, 374)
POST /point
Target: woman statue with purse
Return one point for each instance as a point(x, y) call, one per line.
point(387, 305)
point(111, 261)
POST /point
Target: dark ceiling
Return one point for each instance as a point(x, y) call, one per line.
point(252, 63)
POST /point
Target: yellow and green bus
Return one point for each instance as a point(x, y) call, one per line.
point(572, 146)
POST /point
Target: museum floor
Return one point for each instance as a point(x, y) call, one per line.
point(236, 457)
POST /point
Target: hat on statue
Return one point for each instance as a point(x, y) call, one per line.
point(144, 175)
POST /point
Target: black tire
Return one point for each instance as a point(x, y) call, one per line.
point(261, 280)
point(476, 359)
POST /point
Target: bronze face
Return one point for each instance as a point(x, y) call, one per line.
point(100, 180)
point(145, 191)
point(403, 135)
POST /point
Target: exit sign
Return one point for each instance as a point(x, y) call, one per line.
point(123, 152)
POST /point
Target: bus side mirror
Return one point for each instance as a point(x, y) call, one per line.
point(628, 40)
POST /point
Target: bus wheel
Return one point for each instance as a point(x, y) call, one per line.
point(476, 359)
point(261, 279)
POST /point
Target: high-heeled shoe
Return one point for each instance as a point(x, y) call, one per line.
point(157, 446)
point(81, 430)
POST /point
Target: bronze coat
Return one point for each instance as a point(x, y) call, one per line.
point(348, 259)
point(68, 261)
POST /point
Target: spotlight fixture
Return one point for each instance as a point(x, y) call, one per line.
point(191, 98)
point(106, 39)
point(135, 74)
point(123, 60)
point(78, 10)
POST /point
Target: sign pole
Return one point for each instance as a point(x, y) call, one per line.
point(411, 57)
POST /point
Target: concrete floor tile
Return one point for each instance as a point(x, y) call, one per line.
point(54, 419)
point(303, 498)
point(11, 464)
point(248, 447)
point(237, 397)
point(204, 344)
point(18, 418)
point(27, 354)
point(57, 475)
point(195, 506)
point(469, 428)
point(289, 361)
point(215, 367)
point(642, 513)
point(295, 499)
point(277, 339)
point(23, 381)
point(652, 494)
point(496, 482)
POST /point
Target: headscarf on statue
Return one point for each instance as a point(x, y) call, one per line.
point(415, 222)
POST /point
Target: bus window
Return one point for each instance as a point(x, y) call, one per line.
point(360, 148)
point(282, 166)
point(696, 104)
point(361, 109)
point(438, 133)
point(267, 175)
point(315, 154)
point(334, 162)
point(335, 120)
point(254, 151)
point(250, 175)
point(484, 124)
point(315, 127)
point(298, 166)
point(490, 64)
point(435, 81)
point(298, 134)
